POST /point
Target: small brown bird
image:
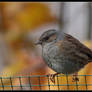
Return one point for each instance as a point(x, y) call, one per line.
point(63, 53)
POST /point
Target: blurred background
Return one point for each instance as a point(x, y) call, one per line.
point(21, 24)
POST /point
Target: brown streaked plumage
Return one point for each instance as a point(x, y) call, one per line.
point(64, 53)
point(82, 49)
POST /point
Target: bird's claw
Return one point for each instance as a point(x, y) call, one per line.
point(75, 79)
point(52, 78)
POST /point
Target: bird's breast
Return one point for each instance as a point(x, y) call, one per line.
point(50, 56)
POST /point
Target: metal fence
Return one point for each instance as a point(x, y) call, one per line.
point(43, 83)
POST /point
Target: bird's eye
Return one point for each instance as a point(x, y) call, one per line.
point(46, 38)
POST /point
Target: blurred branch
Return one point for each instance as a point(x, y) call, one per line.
point(61, 16)
point(89, 21)
point(64, 19)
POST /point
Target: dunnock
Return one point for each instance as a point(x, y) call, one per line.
point(63, 53)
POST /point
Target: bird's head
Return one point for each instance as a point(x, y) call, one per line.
point(47, 37)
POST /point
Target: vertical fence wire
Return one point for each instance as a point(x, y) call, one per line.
point(2, 83)
point(39, 82)
point(48, 82)
point(76, 85)
point(29, 82)
point(20, 83)
point(67, 82)
point(11, 83)
point(85, 82)
point(58, 82)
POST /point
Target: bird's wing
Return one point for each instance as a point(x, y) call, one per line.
point(74, 49)
point(79, 46)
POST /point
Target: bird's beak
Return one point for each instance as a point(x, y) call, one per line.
point(38, 43)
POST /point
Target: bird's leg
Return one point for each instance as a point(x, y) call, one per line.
point(52, 77)
point(75, 77)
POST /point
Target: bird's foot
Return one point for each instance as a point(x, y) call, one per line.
point(75, 77)
point(52, 77)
